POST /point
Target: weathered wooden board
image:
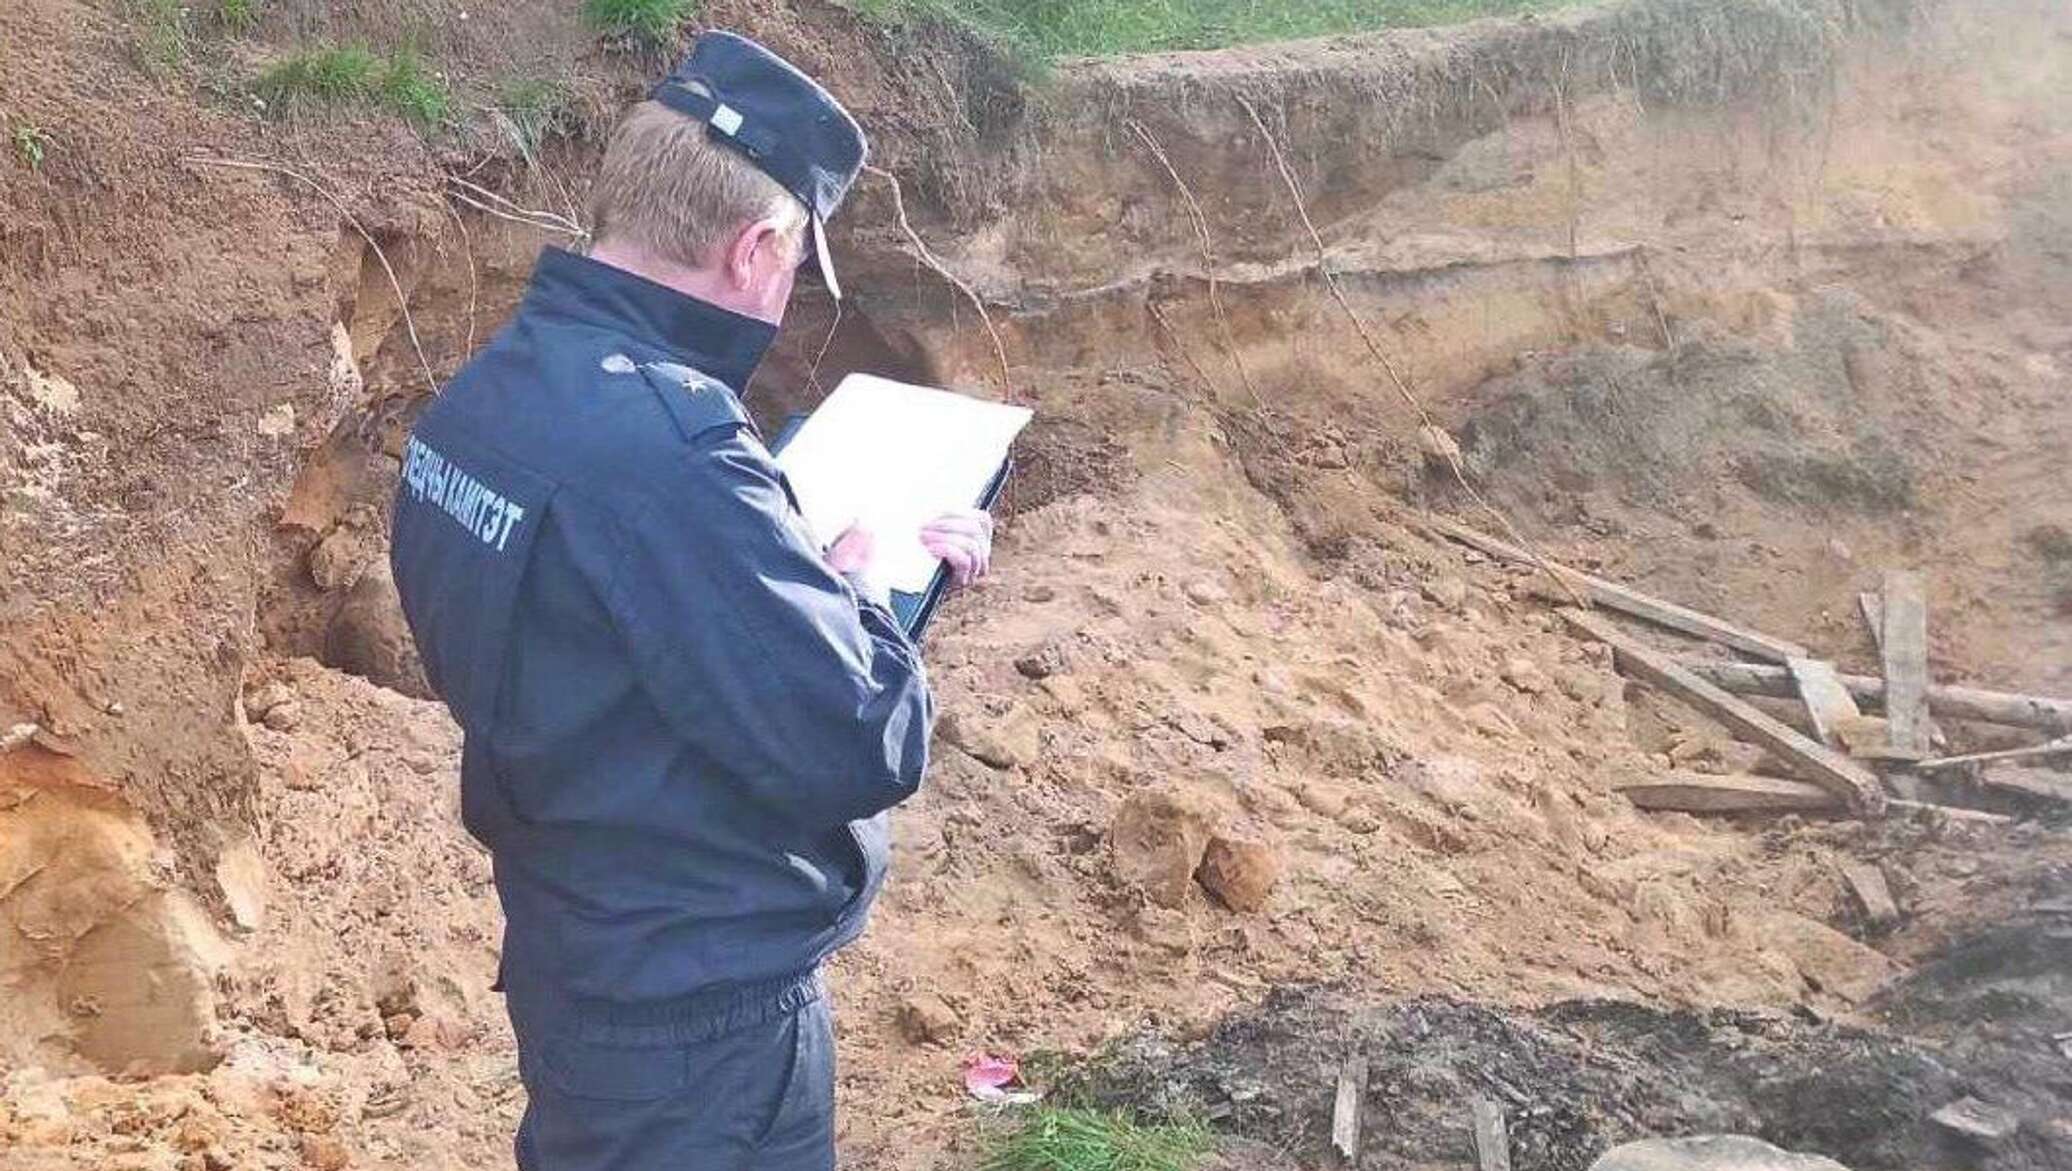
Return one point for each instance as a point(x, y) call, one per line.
point(1828, 703)
point(1873, 608)
point(1492, 1136)
point(1873, 896)
point(1740, 793)
point(1954, 813)
point(2062, 745)
point(2028, 785)
point(1614, 596)
point(1820, 764)
point(1870, 738)
point(1977, 1121)
point(1345, 1109)
point(1953, 703)
point(1905, 653)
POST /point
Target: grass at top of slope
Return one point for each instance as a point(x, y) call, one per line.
point(1047, 29)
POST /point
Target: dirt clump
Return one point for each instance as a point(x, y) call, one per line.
point(1241, 870)
point(1158, 842)
point(107, 958)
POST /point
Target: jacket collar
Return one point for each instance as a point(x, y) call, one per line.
point(712, 340)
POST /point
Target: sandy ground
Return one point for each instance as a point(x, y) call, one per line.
point(1213, 619)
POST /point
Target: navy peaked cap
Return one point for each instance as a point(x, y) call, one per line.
point(757, 103)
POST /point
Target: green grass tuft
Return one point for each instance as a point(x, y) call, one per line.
point(163, 34)
point(1056, 1139)
point(31, 144)
point(1044, 29)
point(413, 91)
point(239, 16)
point(345, 74)
point(652, 23)
point(328, 76)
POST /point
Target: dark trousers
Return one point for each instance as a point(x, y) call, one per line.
point(749, 1090)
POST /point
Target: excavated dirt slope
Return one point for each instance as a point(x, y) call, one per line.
point(1741, 302)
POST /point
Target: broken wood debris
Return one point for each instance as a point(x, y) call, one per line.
point(2027, 785)
point(1345, 1108)
point(1977, 1120)
point(1904, 649)
point(1870, 738)
point(1742, 793)
point(2059, 746)
point(1828, 703)
point(1614, 596)
point(1872, 604)
point(2005, 789)
point(1492, 1136)
point(1952, 812)
point(1956, 703)
point(1832, 771)
point(1873, 608)
point(1866, 882)
point(1749, 793)
point(1829, 765)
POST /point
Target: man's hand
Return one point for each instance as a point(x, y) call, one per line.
point(964, 541)
point(852, 552)
point(851, 556)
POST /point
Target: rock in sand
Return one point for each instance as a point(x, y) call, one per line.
point(1241, 870)
point(1712, 1152)
point(1158, 841)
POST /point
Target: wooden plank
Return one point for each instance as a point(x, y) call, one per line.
point(1905, 654)
point(1822, 765)
point(2059, 746)
point(1741, 793)
point(1873, 608)
point(1746, 793)
point(1977, 1121)
point(1954, 703)
point(1828, 703)
point(2032, 786)
point(1873, 897)
point(1870, 738)
point(1872, 604)
point(1492, 1136)
point(1614, 596)
point(1896, 806)
point(1345, 1108)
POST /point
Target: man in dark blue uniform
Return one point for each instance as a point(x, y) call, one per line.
point(684, 720)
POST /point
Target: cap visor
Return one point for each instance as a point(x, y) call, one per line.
point(823, 260)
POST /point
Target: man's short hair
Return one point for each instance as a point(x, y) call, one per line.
point(668, 189)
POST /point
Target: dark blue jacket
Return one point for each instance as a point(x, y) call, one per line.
point(682, 728)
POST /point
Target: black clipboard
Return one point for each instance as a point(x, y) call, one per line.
point(914, 609)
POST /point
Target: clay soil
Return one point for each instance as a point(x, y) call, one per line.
point(1697, 337)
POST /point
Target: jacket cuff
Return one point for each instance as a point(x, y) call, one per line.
point(870, 591)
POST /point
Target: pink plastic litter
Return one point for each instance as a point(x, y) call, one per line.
point(986, 1076)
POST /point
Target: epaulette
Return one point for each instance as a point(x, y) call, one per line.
point(697, 401)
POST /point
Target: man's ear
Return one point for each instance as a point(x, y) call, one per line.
point(755, 246)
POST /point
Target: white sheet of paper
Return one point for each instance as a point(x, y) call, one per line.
point(892, 457)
